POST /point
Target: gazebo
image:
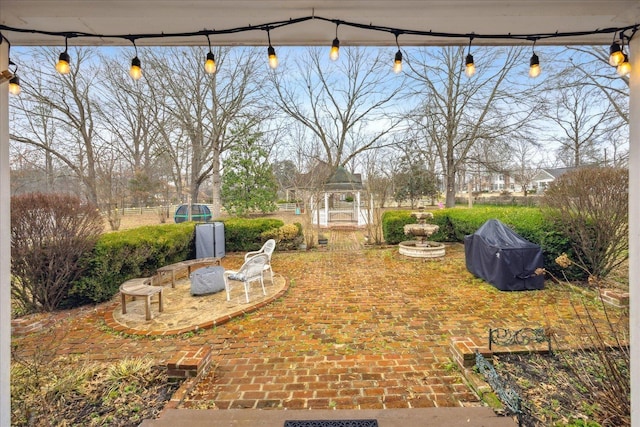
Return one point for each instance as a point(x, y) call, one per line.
point(341, 202)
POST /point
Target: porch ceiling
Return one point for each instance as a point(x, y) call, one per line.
point(449, 16)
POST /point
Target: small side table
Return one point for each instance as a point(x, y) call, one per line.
point(141, 288)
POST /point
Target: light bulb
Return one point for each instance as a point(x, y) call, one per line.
point(14, 86)
point(273, 59)
point(63, 63)
point(334, 53)
point(615, 55)
point(534, 66)
point(397, 62)
point(624, 68)
point(470, 68)
point(210, 65)
point(135, 71)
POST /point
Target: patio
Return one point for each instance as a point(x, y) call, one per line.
point(356, 329)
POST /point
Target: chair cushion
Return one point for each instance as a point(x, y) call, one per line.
point(237, 276)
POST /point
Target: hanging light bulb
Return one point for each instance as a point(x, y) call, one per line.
point(334, 53)
point(273, 59)
point(14, 82)
point(63, 60)
point(397, 61)
point(14, 86)
point(210, 64)
point(615, 54)
point(534, 66)
point(624, 68)
point(136, 70)
point(469, 66)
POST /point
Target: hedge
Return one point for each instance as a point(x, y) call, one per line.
point(455, 223)
point(243, 235)
point(393, 223)
point(139, 252)
point(123, 255)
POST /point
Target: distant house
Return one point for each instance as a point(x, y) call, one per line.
point(492, 182)
point(546, 176)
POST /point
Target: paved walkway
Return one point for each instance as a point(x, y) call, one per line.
point(357, 329)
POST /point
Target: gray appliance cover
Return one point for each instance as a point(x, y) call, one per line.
point(207, 280)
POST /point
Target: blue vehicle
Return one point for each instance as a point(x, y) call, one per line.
point(199, 213)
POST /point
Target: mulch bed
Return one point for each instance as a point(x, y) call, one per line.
point(551, 391)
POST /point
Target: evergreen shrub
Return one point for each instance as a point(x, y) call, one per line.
point(287, 237)
point(128, 254)
point(243, 235)
point(393, 223)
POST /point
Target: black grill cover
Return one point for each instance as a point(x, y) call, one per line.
point(503, 258)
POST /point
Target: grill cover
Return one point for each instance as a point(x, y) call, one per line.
point(503, 258)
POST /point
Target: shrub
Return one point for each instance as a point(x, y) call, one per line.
point(243, 235)
point(128, 254)
point(51, 236)
point(287, 237)
point(591, 206)
point(393, 223)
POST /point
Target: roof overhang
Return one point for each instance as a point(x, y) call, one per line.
point(110, 17)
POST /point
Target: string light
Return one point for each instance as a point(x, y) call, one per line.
point(397, 62)
point(615, 53)
point(14, 86)
point(624, 68)
point(136, 69)
point(63, 60)
point(469, 66)
point(210, 64)
point(334, 53)
point(273, 59)
point(534, 63)
point(14, 82)
point(616, 57)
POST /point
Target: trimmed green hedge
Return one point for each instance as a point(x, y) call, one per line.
point(124, 255)
point(393, 223)
point(455, 223)
point(243, 235)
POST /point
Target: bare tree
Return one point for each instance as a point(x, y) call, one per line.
point(581, 118)
point(593, 64)
point(204, 107)
point(524, 152)
point(343, 104)
point(57, 115)
point(458, 112)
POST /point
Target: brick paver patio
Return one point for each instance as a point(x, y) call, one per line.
point(357, 329)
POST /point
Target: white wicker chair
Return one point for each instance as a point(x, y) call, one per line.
point(252, 270)
point(268, 248)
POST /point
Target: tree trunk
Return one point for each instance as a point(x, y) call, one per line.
point(217, 185)
point(450, 200)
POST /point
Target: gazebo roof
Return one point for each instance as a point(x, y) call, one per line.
point(343, 180)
